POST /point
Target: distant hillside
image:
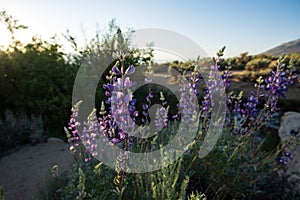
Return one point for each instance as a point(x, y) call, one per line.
point(287, 48)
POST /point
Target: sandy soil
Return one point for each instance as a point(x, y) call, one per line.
point(24, 173)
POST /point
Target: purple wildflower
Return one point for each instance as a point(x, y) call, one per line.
point(283, 161)
point(149, 97)
point(74, 125)
point(212, 87)
point(187, 104)
point(130, 70)
point(286, 156)
point(251, 108)
point(161, 117)
point(116, 70)
point(227, 77)
point(276, 85)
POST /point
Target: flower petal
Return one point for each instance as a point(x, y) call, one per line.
point(116, 70)
point(130, 70)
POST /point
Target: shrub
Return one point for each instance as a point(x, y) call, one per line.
point(20, 128)
point(257, 64)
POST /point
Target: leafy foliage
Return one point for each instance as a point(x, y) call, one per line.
point(36, 79)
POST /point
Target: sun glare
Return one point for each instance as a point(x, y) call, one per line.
point(24, 36)
point(4, 37)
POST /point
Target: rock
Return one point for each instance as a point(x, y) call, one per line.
point(290, 121)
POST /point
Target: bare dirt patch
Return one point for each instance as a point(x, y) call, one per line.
point(24, 173)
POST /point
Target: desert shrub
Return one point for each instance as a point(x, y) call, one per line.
point(19, 128)
point(239, 62)
point(295, 59)
point(246, 76)
point(173, 69)
point(258, 64)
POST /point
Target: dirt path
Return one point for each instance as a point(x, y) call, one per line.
point(24, 173)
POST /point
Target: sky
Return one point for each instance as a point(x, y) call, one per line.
point(252, 26)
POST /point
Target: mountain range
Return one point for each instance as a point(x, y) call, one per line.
point(286, 48)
